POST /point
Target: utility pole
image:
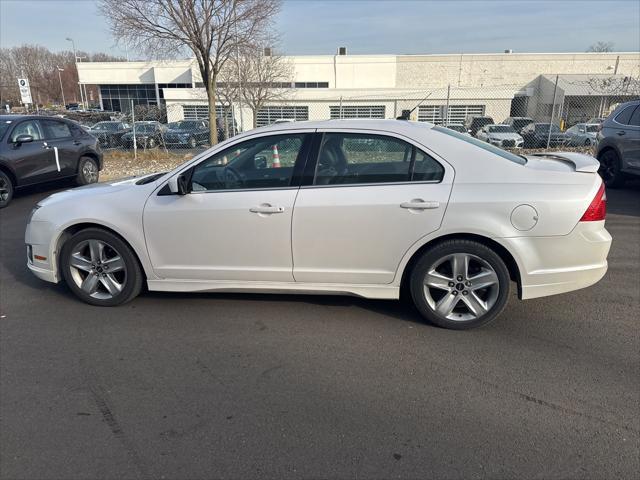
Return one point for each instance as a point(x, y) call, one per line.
point(75, 59)
point(553, 107)
point(64, 103)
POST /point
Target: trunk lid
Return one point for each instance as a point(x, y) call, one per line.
point(563, 161)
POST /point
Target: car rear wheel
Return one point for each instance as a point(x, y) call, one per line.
point(460, 284)
point(610, 169)
point(100, 268)
point(88, 171)
point(6, 189)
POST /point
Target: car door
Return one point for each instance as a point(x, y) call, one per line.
point(627, 129)
point(33, 161)
point(371, 197)
point(235, 224)
point(59, 137)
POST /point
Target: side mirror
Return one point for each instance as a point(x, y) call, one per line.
point(179, 185)
point(23, 139)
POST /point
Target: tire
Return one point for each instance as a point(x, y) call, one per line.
point(100, 268)
point(587, 142)
point(6, 189)
point(449, 304)
point(610, 169)
point(87, 171)
point(193, 143)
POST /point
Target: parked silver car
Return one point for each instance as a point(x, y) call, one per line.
point(500, 136)
point(582, 134)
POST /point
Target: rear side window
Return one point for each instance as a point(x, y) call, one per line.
point(635, 118)
point(624, 117)
point(55, 130)
point(483, 145)
point(353, 158)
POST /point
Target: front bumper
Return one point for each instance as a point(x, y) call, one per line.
point(559, 264)
point(41, 257)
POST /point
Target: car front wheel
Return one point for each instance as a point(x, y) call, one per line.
point(6, 189)
point(460, 284)
point(100, 268)
point(88, 171)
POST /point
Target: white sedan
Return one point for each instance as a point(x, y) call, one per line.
point(361, 207)
point(500, 136)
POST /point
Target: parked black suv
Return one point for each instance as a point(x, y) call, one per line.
point(517, 123)
point(476, 122)
point(37, 149)
point(619, 144)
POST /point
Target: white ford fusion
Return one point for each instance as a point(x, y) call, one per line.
point(361, 207)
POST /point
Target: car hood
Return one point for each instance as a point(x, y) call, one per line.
point(94, 190)
point(505, 136)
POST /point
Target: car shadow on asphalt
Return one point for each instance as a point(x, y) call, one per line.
point(624, 201)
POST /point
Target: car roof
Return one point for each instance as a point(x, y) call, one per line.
point(388, 125)
point(15, 117)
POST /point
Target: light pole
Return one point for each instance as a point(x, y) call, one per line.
point(75, 59)
point(64, 103)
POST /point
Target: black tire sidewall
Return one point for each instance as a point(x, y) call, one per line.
point(449, 247)
point(133, 284)
point(81, 180)
point(612, 157)
point(10, 187)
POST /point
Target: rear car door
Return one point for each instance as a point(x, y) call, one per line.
point(32, 162)
point(369, 198)
point(627, 129)
point(58, 135)
point(235, 225)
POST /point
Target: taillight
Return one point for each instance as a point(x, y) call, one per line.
point(597, 209)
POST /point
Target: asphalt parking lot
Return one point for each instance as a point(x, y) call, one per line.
point(183, 386)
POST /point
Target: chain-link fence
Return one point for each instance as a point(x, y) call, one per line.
point(552, 111)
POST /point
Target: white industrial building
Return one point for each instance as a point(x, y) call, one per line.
point(381, 86)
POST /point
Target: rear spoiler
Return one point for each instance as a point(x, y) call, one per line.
point(580, 161)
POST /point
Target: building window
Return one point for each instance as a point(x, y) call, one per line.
point(201, 112)
point(457, 113)
point(357, 111)
point(118, 98)
point(268, 115)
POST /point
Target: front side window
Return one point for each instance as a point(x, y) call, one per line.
point(353, 158)
point(265, 162)
point(30, 127)
point(55, 130)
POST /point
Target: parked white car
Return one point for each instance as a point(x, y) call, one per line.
point(500, 136)
point(582, 134)
point(362, 207)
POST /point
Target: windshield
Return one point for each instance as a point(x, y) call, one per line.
point(483, 145)
point(592, 128)
point(544, 127)
point(105, 126)
point(184, 125)
point(145, 127)
point(521, 122)
point(501, 129)
point(4, 126)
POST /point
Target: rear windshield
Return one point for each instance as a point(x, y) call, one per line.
point(483, 145)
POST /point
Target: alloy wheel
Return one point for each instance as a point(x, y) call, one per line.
point(90, 171)
point(98, 269)
point(4, 190)
point(461, 287)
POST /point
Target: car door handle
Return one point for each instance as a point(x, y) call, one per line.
point(419, 204)
point(621, 132)
point(46, 147)
point(76, 142)
point(268, 209)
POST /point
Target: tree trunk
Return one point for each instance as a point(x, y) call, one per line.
point(211, 94)
point(254, 111)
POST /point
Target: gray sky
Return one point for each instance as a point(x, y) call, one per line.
point(367, 27)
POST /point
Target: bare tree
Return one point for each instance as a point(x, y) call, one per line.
point(601, 47)
point(211, 30)
point(228, 91)
point(262, 78)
